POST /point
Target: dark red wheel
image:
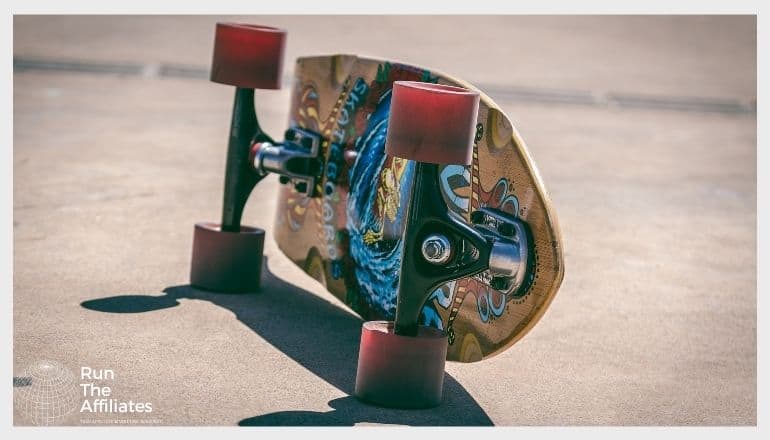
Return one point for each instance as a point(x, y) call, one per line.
point(432, 123)
point(248, 56)
point(400, 371)
point(225, 261)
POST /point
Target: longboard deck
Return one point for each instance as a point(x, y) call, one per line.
point(349, 238)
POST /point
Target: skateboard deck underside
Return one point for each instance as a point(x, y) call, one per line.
point(349, 238)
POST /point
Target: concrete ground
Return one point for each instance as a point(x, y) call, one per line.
point(644, 131)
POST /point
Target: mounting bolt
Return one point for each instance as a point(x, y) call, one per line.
point(300, 187)
point(436, 249)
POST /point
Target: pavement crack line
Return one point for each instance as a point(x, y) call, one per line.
point(496, 91)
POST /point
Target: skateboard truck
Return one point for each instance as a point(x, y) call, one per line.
point(227, 257)
point(401, 363)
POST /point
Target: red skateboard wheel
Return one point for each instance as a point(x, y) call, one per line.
point(248, 56)
point(400, 371)
point(226, 261)
point(432, 123)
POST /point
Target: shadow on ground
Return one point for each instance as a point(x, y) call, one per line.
point(326, 343)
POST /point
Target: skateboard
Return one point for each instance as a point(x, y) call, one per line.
point(405, 191)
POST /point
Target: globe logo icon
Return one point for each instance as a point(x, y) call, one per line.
point(49, 394)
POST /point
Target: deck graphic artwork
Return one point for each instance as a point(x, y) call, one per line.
point(349, 235)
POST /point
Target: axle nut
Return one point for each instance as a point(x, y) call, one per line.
point(436, 249)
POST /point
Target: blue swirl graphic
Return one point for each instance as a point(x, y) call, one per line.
point(377, 264)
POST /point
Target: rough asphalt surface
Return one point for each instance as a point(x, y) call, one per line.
point(644, 131)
